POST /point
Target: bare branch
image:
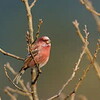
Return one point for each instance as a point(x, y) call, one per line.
point(31, 31)
point(33, 3)
point(11, 96)
point(15, 91)
point(38, 74)
point(21, 83)
point(84, 73)
point(29, 17)
point(90, 8)
point(73, 96)
point(11, 80)
point(90, 57)
point(97, 49)
point(80, 81)
point(7, 65)
point(34, 86)
point(38, 31)
point(82, 97)
point(74, 71)
point(11, 55)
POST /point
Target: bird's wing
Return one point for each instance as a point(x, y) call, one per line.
point(30, 57)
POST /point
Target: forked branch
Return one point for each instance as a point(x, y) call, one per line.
point(90, 57)
point(74, 70)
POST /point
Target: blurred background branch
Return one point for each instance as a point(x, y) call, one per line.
point(88, 5)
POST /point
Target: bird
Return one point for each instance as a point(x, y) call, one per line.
point(40, 55)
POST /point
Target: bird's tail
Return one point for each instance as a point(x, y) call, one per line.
point(18, 76)
point(21, 72)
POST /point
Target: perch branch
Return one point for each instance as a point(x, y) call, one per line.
point(31, 30)
point(11, 55)
point(90, 57)
point(38, 74)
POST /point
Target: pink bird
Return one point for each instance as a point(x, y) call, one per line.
point(41, 52)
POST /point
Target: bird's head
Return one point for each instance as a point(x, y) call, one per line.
point(44, 39)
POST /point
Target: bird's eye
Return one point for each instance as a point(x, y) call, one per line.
point(48, 41)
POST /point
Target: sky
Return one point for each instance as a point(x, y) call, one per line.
point(57, 16)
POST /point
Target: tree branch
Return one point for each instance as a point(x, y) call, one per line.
point(11, 55)
point(33, 3)
point(89, 7)
point(29, 17)
point(11, 96)
point(74, 71)
point(85, 72)
point(90, 57)
point(24, 90)
point(31, 40)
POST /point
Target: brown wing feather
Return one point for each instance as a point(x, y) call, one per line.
point(27, 61)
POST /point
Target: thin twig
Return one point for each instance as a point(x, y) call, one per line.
point(11, 55)
point(12, 81)
point(85, 72)
point(33, 3)
point(7, 65)
point(97, 49)
point(80, 81)
point(20, 81)
point(16, 91)
point(11, 96)
point(19, 92)
point(39, 26)
point(90, 57)
point(29, 17)
point(88, 5)
point(38, 31)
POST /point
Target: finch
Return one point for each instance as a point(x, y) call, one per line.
point(40, 56)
